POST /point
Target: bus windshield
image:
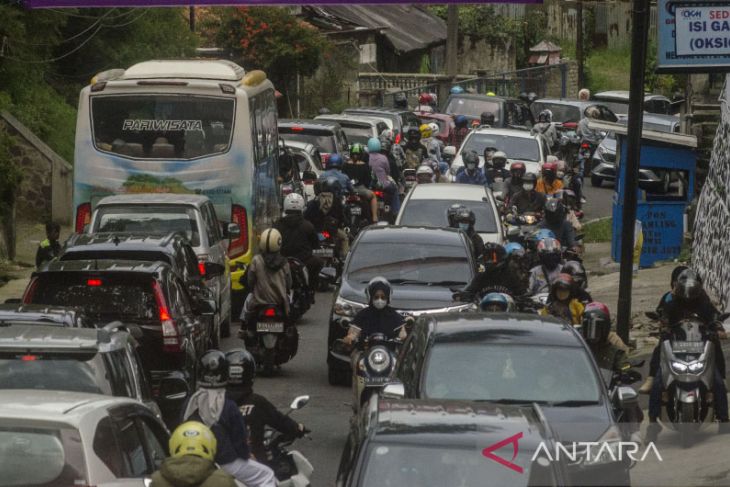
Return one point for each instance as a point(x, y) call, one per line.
point(162, 126)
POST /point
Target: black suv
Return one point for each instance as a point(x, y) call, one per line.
point(172, 249)
point(412, 443)
point(148, 297)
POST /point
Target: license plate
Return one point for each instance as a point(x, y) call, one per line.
point(377, 381)
point(356, 210)
point(381, 204)
point(270, 327)
point(325, 252)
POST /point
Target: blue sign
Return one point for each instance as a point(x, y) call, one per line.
point(694, 36)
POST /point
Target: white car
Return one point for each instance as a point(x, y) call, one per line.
point(358, 128)
point(426, 206)
point(72, 438)
point(519, 145)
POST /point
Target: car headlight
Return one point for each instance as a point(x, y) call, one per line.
point(679, 367)
point(379, 359)
point(696, 367)
point(606, 450)
point(347, 308)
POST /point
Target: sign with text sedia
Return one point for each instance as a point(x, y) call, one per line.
point(694, 36)
point(186, 3)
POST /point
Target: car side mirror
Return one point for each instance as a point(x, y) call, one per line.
point(213, 269)
point(299, 402)
point(174, 387)
point(394, 390)
point(309, 176)
point(627, 397)
point(233, 231)
point(205, 306)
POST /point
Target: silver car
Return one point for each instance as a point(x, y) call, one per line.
point(193, 216)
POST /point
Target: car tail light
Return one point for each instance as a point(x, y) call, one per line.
point(379, 194)
point(83, 216)
point(397, 138)
point(30, 291)
point(570, 125)
point(326, 235)
point(270, 312)
point(325, 158)
point(297, 128)
point(585, 146)
point(93, 282)
point(239, 246)
point(29, 358)
point(202, 259)
point(353, 198)
point(171, 341)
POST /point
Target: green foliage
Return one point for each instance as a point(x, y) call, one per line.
point(10, 175)
point(330, 84)
point(598, 231)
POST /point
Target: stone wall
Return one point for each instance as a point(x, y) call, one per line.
point(479, 55)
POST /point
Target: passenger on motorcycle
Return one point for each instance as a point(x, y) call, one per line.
point(192, 451)
point(688, 300)
point(487, 119)
point(562, 302)
point(514, 182)
point(361, 176)
point(414, 151)
point(498, 276)
point(425, 103)
point(424, 174)
point(461, 130)
point(326, 213)
point(517, 264)
point(396, 149)
point(211, 406)
point(441, 175)
point(386, 148)
point(299, 238)
point(256, 409)
point(268, 277)
point(497, 303)
point(542, 276)
point(488, 155)
point(556, 222)
point(528, 200)
point(549, 183)
point(378, 316)
point(471, 173)
point(381, 168)
point(586, 133)
point(570, 203)
point(580, 280)
point(596, 330)
point(400, 100)
point(464, 219)
point(545, 127)
point(334, 170)
point(498, 169)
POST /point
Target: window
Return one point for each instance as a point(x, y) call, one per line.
point(320, 138)
point(135, 363)
point(121, 378)
point(106, 448)
point(180, 302)
point(130, 444)
point(74, 372)
point(518, 148)
point(148, 220)
point(263, 119)
point(154, 441)
point(211, 224)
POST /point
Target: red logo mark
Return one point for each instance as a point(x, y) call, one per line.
point(487, 452)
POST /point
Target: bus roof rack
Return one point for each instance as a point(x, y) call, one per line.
point(215, 69)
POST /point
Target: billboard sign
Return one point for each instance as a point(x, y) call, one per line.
point(187, 3)
point(694, 36)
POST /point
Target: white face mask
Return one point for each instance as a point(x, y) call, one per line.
point(380, 303)
point(527, 187)
point(464, 226)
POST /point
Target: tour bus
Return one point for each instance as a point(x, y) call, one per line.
point(185, 126)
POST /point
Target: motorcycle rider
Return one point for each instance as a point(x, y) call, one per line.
point(211, 406)
point(528, 200)
point(424, 174)
point(378, 316)
point(517, 263)
point(688, 300)
point(549, 183)
point(596, 330)
point(461, 130)
point(386, 148)
point(381, 168)
point(545, 127)
point(556, 221)
point(268, 278)
point(586, 133)
point(425, 103)
point(192, 450)
point(414, 151)
point(497, 303)
point(562, 303)
point(514, 182)
point(487, 119)
point(666, 297)
point(400, 100)
point(334, 170)
point(471, 173)
point(498, 276)
point(256, 409)
point(327, 214)
point(464, 219)
point(542, 276)
point(299, 238)
point(498, 169)
point(396, 149)
point(575, 270)
point(357, 170)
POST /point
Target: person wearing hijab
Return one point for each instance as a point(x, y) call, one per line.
point(378, 317)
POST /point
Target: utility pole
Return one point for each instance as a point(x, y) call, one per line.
point(192, 19)
point(452, 40)
point(639, 40)
point(579, 43)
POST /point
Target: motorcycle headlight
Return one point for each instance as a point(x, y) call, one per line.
point(696, 367)
point(346, 308)
point(679, 367)
point(379, 359)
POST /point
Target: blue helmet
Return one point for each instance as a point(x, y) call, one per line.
point(461, 121)
point(443, 168)
point(334, 162)
point(457, 90)
point(544, 233)
point(514, 247)
point(373, 145)
point(494, 302)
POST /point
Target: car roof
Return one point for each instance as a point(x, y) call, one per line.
point(476, 96)
point(116, 241)
point(155, 198)
point(24, 313)
point(102, 265)
point(623, 95)
point(392, 110)
point(300, 145)
point(453, 191)
point(523, 134)
point(38, 336)
point(54, 406)
point(404, 234)
point(350, 117)
point(502, 328)
point(309, 124)
point(435, 116)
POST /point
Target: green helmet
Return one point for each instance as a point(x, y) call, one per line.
point(356, 149)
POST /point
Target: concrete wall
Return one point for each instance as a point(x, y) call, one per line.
point(478, 55)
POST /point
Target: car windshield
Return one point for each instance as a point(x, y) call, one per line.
point(398, 465)
point(432, 213)
point(474, 107)
point(324, 140)
point(413, 261)
point(516, 148)
point(561, 113)
point(529, 373)
point(40, 456)
point(148, 220)
point(74, 372)
point(102, 296)
point(357, 133)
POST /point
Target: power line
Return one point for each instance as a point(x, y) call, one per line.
point(63, 41)
point(57, 58)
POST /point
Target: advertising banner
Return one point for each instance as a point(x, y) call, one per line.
point(187, 3)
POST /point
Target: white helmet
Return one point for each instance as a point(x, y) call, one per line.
point(499, 155)
point(270, 240)
point(434, 128)
point(293, 202)
point(387, 134)
point(449, 150)
point(424, 169)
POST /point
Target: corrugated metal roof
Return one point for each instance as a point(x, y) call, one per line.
point(407, 27)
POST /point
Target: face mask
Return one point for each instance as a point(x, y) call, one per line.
point(562, 294)
point(464, 226)
point(471, 166)
point(527, 187)
point(380, 303)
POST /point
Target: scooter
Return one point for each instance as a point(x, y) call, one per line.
point(409, 177)
point(375, 363)
point(273, 338)
point(327, 251)
point(356, 214)
point(291, 468)
point(301, 297)
point(624, 399)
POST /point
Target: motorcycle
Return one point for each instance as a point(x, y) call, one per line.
point(624, 399)
point(356, 214)
point(272, 338)
point(568, 146)
point(301, 297)
point(327, 251)
point(521, 228)
point(585, 156)
point(291, 468)
point(376, 361)
point(409, 177)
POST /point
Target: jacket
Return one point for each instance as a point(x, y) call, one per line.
point(329, 221)
point(496, 279)
point(380, 166)
point(541, 279)
point(528, 201)
point(414, 155)
point(47, 251)
point(477, 177)
point(572, 311)
point(371, 320)
point(269, 280)
point(477, 244)
point(190, 471)
point(230, 433)
point(298, 237)
point(548, 188)
point(564, 232)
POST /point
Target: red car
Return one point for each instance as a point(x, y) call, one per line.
point(445, 123)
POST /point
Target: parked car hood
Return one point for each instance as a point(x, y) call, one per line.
point(578, 424)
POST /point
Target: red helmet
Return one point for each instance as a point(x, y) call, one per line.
point(550, 166)
point(425, 99)
point(518, 169)
point(548, 245)
point(596, 307)
point(596, 323)
point(563, 281)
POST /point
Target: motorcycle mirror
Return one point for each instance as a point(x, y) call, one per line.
point(299, 402)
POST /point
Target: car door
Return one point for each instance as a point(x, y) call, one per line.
point(218, 253)
point(139, 438)
point(139, 378)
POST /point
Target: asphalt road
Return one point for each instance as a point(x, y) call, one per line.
point(600, 201)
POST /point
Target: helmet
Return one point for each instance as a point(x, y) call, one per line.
point(518, 170)
point(549, 169)
point(487, 118)
point(465, 215)
point(270, 240)
point(328, 185)
point(400, 100)
point(584, 94)
point(241, 367)
point(387, 134)
point(596, 323)
point(449, 151)
point(334, 162)
point(530, 178)
point(193, 438)
point(413, 134)
point(461, 121)
point(531, 96)
point(378, 283)
point(494, 253)
point(688, 286)
point(563, 281)
point(548, 251)
point(356, 149)
point(490, 93)
point(213, 369)
point(554, 210)
point(385, 144)
point(577, 272)
point(324, 111)
point(424, 174)
point(470, 157)
point(456, 90)
point(425, 130)
point(293, 202)
point(676, 272)
point(425, 99)
point(494, 302)
point(592, 112)
point(545, 116)
point(514, 248)
point(451, 214)
point(435, 129)
point(544, 233)
point(443, 167)
point(499, 160)
point(373, 145)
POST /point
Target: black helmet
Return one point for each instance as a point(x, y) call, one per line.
point(465, 215)
point(328, 185)
point(577, 272)
point(487, 118)
point(451, 214)
point(596, 323)
point(688, 286)
point(213, 369)
point(241, 367)
point(675, 274)
point(385, 145)
point(413, 134)
point(549, 252)
point(470, 157)
point(378, 283)
point(554, 210)
point(494, 253)
point(400, 100)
